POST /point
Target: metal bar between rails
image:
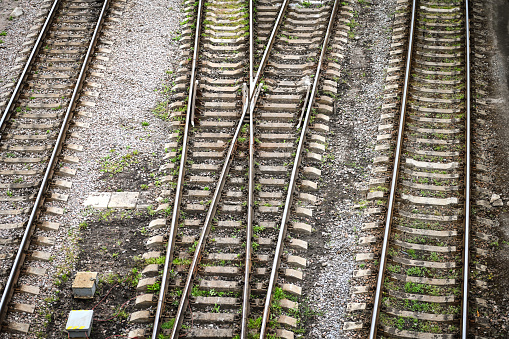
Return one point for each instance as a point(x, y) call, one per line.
point(251, 47)
point(249, 228)
point(395, 173)
point(293, 178)
point(217, 193)
point(178, 190)
point(30, 227)
point(250, 201)
point(464, 315)
point(28, 65)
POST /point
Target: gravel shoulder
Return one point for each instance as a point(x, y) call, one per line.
point(14, 33)
point(347, 171)
point(142, 56)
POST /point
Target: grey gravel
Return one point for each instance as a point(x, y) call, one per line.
point(354, 130)
point(16, 12)
point(16, 30)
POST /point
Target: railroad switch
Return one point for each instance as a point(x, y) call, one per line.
point(79, 323)
point(84, 285)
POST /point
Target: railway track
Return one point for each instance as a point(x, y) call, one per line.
point(34, 126)
point(243, 158)
point(422, 282)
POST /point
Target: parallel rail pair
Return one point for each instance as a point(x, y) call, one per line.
point(31, 224)
point(438, 34)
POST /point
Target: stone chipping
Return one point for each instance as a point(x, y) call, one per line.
point(351, 148)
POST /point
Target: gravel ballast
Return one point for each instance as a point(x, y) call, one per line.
point(16, 31)
point(351, 147)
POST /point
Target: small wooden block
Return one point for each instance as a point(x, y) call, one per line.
point(36, 271)
point(40, 256)
point(29, 289)
point(23, 308)
point(17, 328)
point(62, 184)
point(44, 241)
point(49, 226)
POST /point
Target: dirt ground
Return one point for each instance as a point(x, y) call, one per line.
point(108, 247)
point(498, 16)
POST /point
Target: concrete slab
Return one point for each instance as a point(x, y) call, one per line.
point(98, 200)
point(123, 200)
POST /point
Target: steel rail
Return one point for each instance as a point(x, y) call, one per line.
point(394, 181)
point(28, 66)
point(250, 199)
point(39, 200)
point(268, 48)
point(219, 188)
point(178, 193)
point(466, 259)
point(249, 227)
point(293, 178)
point(251, 46)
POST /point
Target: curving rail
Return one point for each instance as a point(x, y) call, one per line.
point(180, 180)
point(187, 292)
